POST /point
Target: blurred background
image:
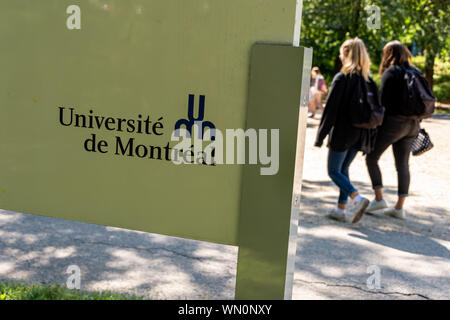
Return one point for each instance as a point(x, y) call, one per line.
point(421, 24)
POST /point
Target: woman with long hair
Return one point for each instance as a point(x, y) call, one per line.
point(345, 139)
point(398, 129)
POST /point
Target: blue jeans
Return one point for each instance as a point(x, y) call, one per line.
point(338, 165)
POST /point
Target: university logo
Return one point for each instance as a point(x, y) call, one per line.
point(191, 120)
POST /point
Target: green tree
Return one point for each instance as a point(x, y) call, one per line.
point(327, 23)
point(429, 21)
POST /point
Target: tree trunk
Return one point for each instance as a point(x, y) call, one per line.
point(430, 58)
point(357, 18)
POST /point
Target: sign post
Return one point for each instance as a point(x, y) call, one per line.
point(269, 207)
point(91, 92)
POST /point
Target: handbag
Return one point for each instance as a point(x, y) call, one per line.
point(422, 143)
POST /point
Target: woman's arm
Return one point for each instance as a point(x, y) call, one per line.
point(331, 109)
point(388, 89)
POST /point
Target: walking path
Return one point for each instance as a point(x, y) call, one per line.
point(332, 258)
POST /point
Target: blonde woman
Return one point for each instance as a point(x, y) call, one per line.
point(338, 122)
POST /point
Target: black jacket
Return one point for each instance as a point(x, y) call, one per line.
point(393, 90)
point(335, 120)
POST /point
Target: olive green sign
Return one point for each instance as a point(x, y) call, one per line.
point(91, 92)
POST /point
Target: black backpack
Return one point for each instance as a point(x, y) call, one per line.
point(364, 114)
point(419, 99)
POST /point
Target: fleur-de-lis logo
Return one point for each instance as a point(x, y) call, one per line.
point(191, 120)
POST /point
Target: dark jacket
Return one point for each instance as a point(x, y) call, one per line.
point(336, 121)
point(393, 90)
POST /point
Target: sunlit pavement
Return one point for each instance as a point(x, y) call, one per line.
point(336, 261)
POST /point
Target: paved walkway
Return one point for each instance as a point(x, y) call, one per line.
point(332, 258)
point(413, 255)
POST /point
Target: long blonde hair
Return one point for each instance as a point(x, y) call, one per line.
point(354, 57)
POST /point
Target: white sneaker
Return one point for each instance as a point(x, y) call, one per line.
point(334, 215)
point(376, 205)
point(357, 208)
point(394, 213)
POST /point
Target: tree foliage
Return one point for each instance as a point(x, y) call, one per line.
point(429, 20)
point(420, 23)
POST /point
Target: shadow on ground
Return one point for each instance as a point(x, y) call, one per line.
point(332, 257)
point(336, 266)
point(429, 220)
point(40, 249)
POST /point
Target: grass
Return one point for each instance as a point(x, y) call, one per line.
point(442, 111)
point(24, 291)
